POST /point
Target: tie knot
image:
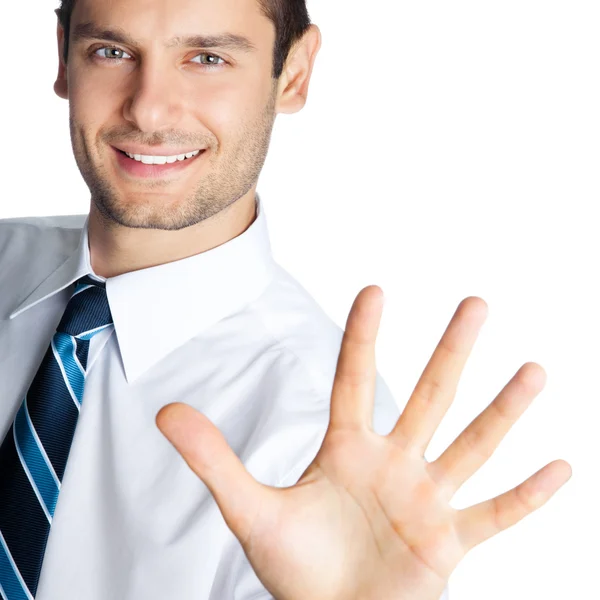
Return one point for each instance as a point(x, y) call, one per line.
point(88, 311)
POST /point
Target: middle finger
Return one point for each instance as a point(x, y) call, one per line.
point(436, 387)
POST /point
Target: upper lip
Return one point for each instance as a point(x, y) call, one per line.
point(154, 151)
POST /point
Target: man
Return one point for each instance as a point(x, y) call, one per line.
point(162, 314)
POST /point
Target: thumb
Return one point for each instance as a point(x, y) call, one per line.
point(206, 451)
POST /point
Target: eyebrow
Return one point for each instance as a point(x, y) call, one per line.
point(228, 41)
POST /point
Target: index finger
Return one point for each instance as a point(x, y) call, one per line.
point(353, 391)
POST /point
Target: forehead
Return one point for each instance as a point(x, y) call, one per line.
point(154, 20)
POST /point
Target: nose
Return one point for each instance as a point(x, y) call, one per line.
point(155, 102)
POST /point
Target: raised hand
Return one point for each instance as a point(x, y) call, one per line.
point(370, 518)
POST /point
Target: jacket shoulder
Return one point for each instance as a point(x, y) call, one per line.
point(44, 223)
point(34, 247)
point(29, 234)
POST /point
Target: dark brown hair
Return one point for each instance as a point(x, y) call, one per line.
point(290, 18)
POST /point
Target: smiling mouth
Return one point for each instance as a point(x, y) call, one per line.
point(147, 160)
point(165, 167)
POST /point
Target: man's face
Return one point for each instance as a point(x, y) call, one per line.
point(142, 94)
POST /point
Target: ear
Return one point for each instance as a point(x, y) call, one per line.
point(295, 78)
point(60, 85)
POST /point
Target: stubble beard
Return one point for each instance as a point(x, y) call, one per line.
point(230, 176)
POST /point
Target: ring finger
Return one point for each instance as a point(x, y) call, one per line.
point(476, 444)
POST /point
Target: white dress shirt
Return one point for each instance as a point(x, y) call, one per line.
point(227, 331)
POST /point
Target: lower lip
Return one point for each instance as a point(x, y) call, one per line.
point(139, 169)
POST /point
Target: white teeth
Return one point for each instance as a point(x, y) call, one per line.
point(161, 160)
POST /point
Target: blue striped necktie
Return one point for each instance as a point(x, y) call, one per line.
point(34, 453)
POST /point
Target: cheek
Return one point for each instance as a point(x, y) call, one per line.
point(219, 109)
point(225, 106)
point(92, 101)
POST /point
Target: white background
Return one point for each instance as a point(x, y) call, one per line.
point(447, 149)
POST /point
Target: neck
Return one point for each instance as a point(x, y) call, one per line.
point(116, 249)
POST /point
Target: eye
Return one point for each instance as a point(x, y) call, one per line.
point(113, 50)
point(213, 57)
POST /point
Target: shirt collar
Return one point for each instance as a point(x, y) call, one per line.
point(158, 309)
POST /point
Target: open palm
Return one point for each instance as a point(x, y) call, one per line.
point(370, 518)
